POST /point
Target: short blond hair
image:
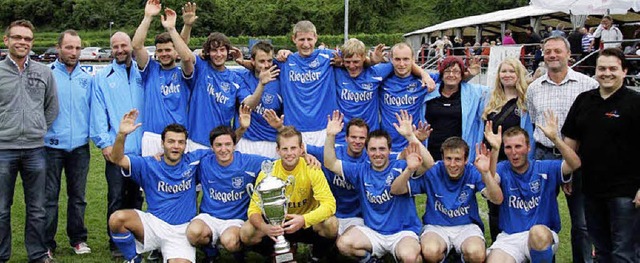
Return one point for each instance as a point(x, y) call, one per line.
point(304, 26)
point(352, 47)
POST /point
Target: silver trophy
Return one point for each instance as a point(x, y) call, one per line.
point(274, 203)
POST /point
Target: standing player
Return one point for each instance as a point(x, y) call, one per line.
point(260, 137)
point(166, 93)
point(529, 216)
point(391, 222)
point(169, 185)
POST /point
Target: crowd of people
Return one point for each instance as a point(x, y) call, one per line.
point(169, 128)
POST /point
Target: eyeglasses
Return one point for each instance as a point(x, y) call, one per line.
point(19, 37)
point(454, 72)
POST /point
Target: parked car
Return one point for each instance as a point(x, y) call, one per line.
point(3, 53)
point(33, 55)
point(50, 54)
point(151, 50)
point(105, 53)
point(92, 53)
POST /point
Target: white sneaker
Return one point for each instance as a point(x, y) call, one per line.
point(81, 248)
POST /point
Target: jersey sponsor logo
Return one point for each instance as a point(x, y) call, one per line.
point(183, 186)
point(171, 89)
point(237, 182)
point(535, 186)
point(339, 181)
point(379, 199)
point(297, 204)
point(356, 96)
point(304, 77)
point(452, 213)
point(612, 114)
point(219, 96)
point(400, 101)
point(526, 205)
point(315, 63)
point(226, 196)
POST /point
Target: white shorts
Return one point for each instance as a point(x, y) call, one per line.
point(454, 236)
point(384, 244)
point(218, 226)
point(170, 239)
point(192, 146)
point(345, 223)
point(262, 148)
point(517, 245)
point(151, 144)
point(315, 138)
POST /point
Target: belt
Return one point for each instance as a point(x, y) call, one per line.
point(552, 150)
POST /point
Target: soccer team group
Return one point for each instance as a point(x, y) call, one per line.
point(167, 128)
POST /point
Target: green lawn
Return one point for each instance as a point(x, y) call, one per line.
point(96, 221)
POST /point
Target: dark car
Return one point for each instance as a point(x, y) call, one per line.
point(3, 53)
point(49, 55)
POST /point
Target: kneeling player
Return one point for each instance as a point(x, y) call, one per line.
point(169, 186)
point(451, 216)
point(529, 216)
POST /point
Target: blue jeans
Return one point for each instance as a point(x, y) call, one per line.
point(76, 167)
point(580, 243)
point(31, 165)
point(614, 228)
point(123, 193)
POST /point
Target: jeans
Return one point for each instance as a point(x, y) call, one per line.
point(123, 193)
point(76, 168)
point(31, 165)
point(580, 243)
point(614, 228)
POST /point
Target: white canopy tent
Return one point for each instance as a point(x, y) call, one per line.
point(588, 7)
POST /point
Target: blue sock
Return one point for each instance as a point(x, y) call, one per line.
point(210, 251)
point(541, 256)
point(126, 242)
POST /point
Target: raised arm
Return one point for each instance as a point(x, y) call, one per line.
point(493, 192)
point(405, 128)
point(266, 76)
point(273, 120)
point(169, 24)
point(151, 9)
point(571, 159)
point(427, 81)
point(189, 17)
point(334, 126)
point(244, 119)
point(127, 126)
point(414, 162)
point(495, 140)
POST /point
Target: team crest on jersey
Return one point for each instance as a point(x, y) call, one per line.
point(389, 179)
point(412, 87)
point(314, 64)
point(463, 197)
point(302, 191)
point(84, 83)
point(139, 81)
point(367, 86)
point(112, 85)
point(187, 173)
point(225, 86)
point(535, 186)
point(174, 76)
point(237, 182)
point(268, 98)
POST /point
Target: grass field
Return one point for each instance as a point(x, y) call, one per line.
point(96, 221)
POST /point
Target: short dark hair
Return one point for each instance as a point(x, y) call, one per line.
point(358, 122)
point(448, 62)
point(515, 131)
point(288, 132)
point(215, 40)
point(615, 52)
point(378, 134)
point(174, 127)
point(453, 143)
point(22, 23)
point(222, 130)
point(263, 46)
point(70, 32)
point(163, 38)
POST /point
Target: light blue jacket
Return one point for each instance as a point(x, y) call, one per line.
point(527, 125)
point(472, 100)
point(70, 129)
point(115, 94)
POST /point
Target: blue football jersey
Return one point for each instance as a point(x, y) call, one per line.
point(400, 94)
point(216, 94)
point(347, 203)
point(358, 97)
point(224, 188)
point(260, 130)
point(530, 198)
point(383, 212)
point(170, 190)
point(308, 90)
point(449, 202)
point(166, 97)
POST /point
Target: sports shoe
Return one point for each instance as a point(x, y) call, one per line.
point(137, 259)
point(81, 248)
point(154, 256)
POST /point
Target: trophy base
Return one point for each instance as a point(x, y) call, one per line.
point(284, 253)
point(287, 257)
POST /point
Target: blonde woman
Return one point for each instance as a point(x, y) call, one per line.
point(507, 108)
